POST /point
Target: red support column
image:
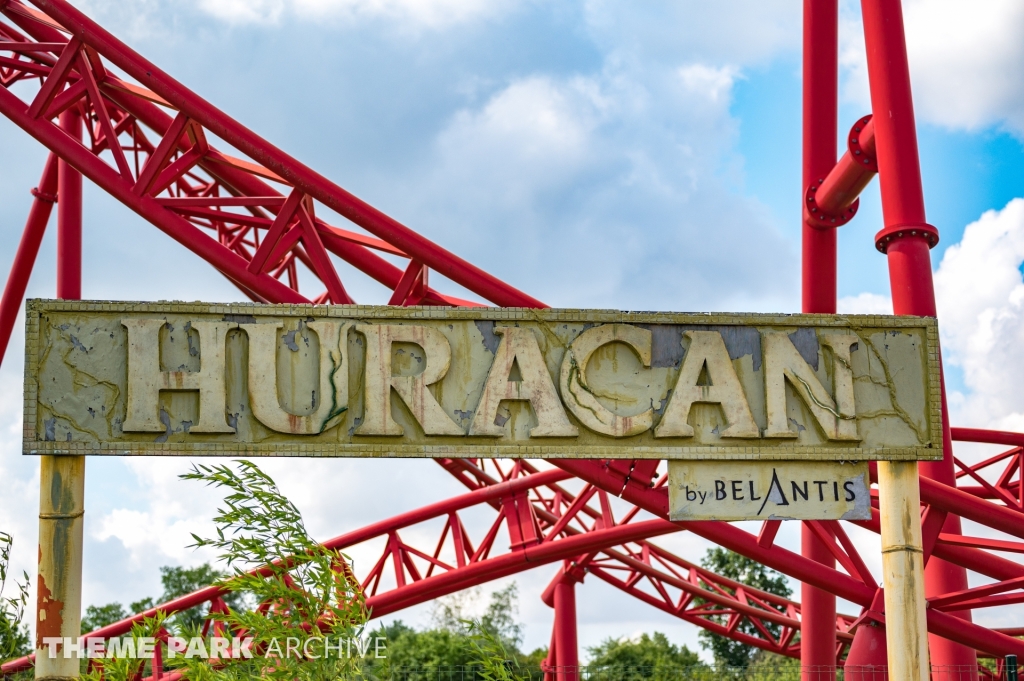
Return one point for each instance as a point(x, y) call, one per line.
point(820, 125)
point(69, 217)
point(905, 240)
point(28, 249)
point(566, 648)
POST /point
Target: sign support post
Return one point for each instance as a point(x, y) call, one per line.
point(906, 632)
point(62, 478)
point(59, 581)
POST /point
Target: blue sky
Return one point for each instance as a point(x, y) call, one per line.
point(595, 153)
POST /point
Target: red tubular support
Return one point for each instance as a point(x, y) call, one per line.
point(906, 239)
point(566, 647)
point(69, 217)
point(994, 437)
point(35, 226)
point(832, 201)
point(820, 119)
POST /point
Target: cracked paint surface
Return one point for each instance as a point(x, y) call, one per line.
point(77, 383)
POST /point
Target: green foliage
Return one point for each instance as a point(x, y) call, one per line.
point(408, 647)
point(488, 655)
point(655, 652)
point(181, 581)
point(748, 571)
point(260, 528)
point(14, 640)
point(305, 590)
point(177, 582)
point(500, 620)
point(128, 667)
point(98, 616)
point(452, 643)
point(765, 664)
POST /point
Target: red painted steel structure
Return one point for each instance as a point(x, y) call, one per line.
point(820, 122)
point(250, 211)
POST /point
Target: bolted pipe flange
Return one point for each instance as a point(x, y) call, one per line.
point(819, 219)
point(920, 230)
point(43, 196)
point(865, 160)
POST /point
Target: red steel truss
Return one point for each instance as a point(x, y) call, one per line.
point(257, 215)
point(534, 520)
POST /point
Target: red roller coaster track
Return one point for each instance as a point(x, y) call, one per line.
point(250, 210)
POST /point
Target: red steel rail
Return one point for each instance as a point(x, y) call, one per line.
point(535, 521)
point(542, 522)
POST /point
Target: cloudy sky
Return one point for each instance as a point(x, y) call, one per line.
point(594, 153)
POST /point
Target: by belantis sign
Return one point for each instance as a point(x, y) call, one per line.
point(198, 379)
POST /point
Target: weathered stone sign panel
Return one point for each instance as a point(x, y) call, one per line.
point(773, 490)
point(198, 379)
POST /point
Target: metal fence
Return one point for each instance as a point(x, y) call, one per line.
point(784, 672)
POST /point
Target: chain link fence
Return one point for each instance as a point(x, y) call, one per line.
point(782, 672)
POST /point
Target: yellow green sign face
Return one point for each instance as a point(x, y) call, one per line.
point(197, 379)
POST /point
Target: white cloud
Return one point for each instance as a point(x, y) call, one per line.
point(979, 291)
point(606, 190)
point(965, 61)
point(740, 32)
point(708, 81)
point(980, 294)
point(864, 303)
point(528, 135)
point(420, 13)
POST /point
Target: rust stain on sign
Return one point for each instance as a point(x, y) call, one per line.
point(197, 379)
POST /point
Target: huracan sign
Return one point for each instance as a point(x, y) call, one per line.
point(199, 379)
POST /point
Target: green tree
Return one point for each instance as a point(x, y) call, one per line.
point(747, 571)
point(263, 540)
point(177, 582)
point(501, 617)
point(454, 639)
point(181, 581)
point(14, 640)
point(98, 616)
point(646, 657)
point(410, 648)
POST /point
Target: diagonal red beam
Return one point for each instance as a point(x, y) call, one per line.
point(28, 248)
point(233, 266)
point(288, 168)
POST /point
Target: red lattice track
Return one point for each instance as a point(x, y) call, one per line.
point(251, 211)
point(543, 522)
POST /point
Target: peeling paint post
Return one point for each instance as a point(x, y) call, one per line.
point(906, 631)
point(62, 478)
point(59, 583)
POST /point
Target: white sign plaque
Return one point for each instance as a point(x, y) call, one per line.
point(771, 490)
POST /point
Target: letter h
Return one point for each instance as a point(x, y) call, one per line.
point(146, 380)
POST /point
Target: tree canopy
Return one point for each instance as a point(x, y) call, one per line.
point(177, 582)
point(748, 571)
point(649, 652)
